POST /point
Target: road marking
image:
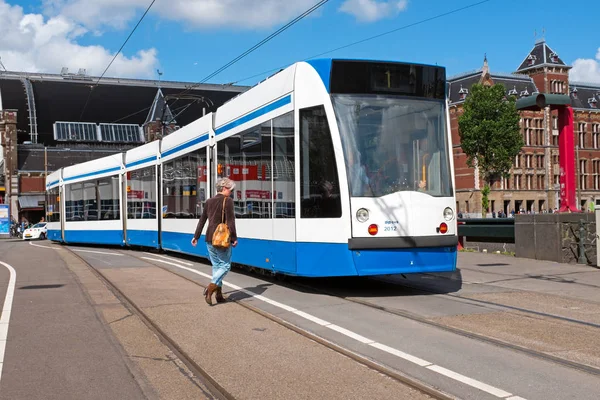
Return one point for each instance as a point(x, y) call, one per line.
point(97, 252)
point(405, 356)
point(468, 381)
point(6, 310)
point(44, 247)
point(171, 259)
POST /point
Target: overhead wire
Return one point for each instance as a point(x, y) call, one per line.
point(177, 96)
point(369, 38)
point(257, 45)
point(115, 57)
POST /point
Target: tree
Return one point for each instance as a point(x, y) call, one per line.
point(490, 134)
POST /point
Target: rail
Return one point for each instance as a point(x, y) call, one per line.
point(492, 230)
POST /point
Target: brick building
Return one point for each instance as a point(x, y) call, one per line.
point(533, 184)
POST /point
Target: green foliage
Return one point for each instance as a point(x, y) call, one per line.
point(489, 130)
point(489, 133)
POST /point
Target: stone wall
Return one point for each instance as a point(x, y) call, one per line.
point(556, 237)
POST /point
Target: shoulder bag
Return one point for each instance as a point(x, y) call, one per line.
point(221, 237)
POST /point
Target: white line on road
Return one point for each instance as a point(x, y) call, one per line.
point(171, 259)
point(45, 247)
point(6, 310)
point(416, 360)
point(97, 252)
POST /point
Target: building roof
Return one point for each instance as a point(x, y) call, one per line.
point(541, 55)
point(63, 98)
point(514, 84)
point(31, 158)
point(585, 95)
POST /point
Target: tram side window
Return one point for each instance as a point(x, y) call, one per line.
point(141, 193)
point(53, 205)
point(108, 190)
point(283, 166)
point(319, 183)
point(246, 159)
point(184, 185)
point(74, 202)
point(90, 201)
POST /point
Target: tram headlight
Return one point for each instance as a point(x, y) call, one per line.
point(362, 215)
point(448, 214)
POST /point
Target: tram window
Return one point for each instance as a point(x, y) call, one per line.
point(246, 159)
point(53, 205)
point(283, 166)
point(141, 193)
point(90, 202)
point(108, 191)
point(74, 202)
point(319, 184)
point(184, 185)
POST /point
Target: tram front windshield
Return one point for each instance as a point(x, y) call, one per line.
point(393, 144)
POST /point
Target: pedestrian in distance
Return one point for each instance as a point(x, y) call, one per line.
point(221, 236)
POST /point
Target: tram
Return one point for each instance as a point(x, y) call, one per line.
point(342, 168)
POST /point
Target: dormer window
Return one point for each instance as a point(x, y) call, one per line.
point(463, 92)
point(554, 57)
point(524, 93)
point(592, 102)
point(513, 91)
point(574, 92)
point(531, 59)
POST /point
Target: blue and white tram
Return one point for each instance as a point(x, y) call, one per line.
point(342, 167)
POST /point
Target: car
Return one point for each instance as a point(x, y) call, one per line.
point(37, 231)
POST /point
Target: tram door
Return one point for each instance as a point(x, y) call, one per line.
point(284, 193)
point(63, 215)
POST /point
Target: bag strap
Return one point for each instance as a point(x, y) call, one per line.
point(223, 211)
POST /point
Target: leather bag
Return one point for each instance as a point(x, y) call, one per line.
point(221, 237)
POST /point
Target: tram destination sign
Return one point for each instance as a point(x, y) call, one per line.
point(369, 77)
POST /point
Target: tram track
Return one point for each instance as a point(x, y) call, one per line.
point(293, 283)
point(490, 303)
point(216, 390)
point(462, 332)
point(410, 381)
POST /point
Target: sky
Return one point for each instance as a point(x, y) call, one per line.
point(186, 40)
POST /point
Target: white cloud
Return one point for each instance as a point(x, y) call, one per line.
point(30, 42)
point(586, 69)
point(195, 13)
point(373, 10)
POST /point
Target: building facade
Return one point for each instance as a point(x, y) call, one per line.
point(533, 183)
point(49, 121)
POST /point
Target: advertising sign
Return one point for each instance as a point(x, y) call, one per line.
point(4, 220)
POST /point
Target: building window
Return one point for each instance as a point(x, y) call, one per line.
point(596, 173)
point(518, 182)
point(540, 182)
point(582, 174)
point(581, 130)
point(558, 86)
point(528, 178)
point(595, 134)
point(528, 161)
point(527, 131)
point(518, 161)
point(539, 131)
point(539, 161)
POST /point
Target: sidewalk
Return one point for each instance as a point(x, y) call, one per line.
point(250, 356)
